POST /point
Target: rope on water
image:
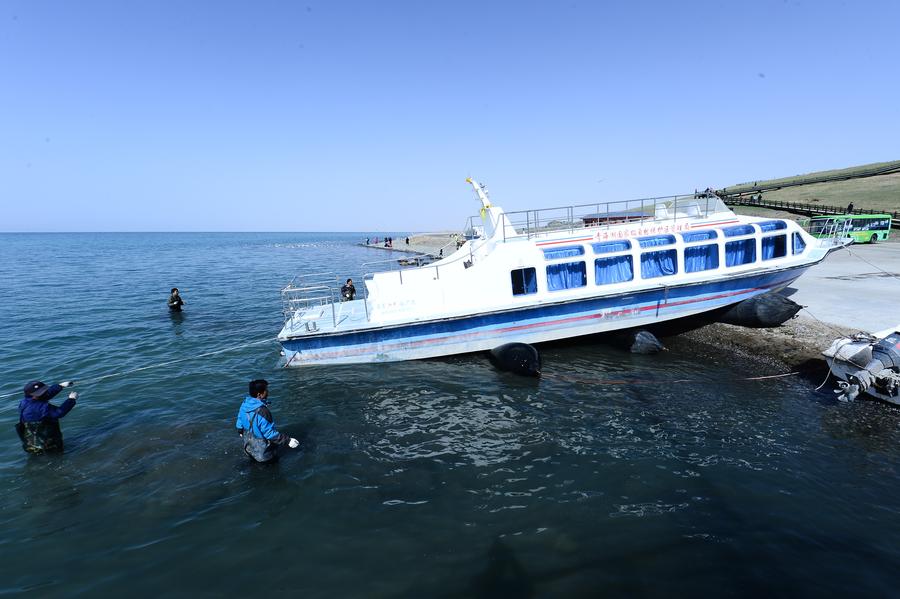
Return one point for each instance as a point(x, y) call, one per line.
point(161, 364)
point(657, 381)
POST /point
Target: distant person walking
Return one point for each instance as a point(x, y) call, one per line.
point(850, 208)
point(256, 426)
point(38, 425)
point(175, 301)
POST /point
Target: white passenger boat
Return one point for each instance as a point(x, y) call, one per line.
point(542, 275)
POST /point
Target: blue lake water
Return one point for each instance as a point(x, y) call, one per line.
point(439, 478)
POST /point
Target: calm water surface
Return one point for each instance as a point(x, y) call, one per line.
point(439, 478)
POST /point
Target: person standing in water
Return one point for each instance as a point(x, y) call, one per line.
point(38, 425)
point(175, 302)
point(256, 426)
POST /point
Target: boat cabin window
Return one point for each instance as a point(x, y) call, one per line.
point(740, 252)
point(608, 247)
point(701, 257)
point(566, 275)
point(774, 246)
point(738, 230)
point(699, 236)
point(658, 264)
point(799, 244)
point(524, 281)
point(614, 269)
point(656, 240)
point(563, 252)
point(772, 225)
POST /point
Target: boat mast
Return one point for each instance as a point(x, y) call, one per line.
point(490, 215)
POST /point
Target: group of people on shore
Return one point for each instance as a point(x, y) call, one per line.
point(388, 241)
point(39, 431)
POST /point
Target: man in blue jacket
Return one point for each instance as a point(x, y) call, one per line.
point(256, 425)
point(38, 425)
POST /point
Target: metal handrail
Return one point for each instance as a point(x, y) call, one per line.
point(830, 231)
point(529, 223)
point(306, 298)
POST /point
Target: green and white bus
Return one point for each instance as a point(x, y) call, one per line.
point(863, 228)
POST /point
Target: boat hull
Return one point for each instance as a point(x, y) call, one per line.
point(532, 324)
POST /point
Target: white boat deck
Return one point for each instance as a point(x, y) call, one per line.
point(507, 267)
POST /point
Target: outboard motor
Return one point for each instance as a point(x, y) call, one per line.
point(519, 358)
point(882, 372)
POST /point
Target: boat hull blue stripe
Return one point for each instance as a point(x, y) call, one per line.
point(666, 303)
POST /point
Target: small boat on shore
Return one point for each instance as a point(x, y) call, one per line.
point(548, 274)
point(867, 363)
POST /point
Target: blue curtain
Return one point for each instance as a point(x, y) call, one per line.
point(566, 275)
point(658, 264)
point(656, 240)
point(699, 236)
point(524, 281)
point(701, 257)
point(799, 244)
point(774, 247)
point(614, 269)
point(738, 230)
point(772, 225)
point(609, 247)
point(564, 252)
point(740, 252)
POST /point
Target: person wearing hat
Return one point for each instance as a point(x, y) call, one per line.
point(38, 425)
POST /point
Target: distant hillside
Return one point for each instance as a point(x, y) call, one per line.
point(877, 189)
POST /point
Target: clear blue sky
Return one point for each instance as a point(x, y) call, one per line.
point(368, 116)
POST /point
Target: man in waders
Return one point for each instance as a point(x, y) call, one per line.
point(175, 302)
point(256, 425)
point(38, 425)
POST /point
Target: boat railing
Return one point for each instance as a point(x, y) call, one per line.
point(305, 299)
point(529, 223)
point(829, 231)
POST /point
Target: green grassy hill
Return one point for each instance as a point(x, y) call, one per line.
point(879, 193)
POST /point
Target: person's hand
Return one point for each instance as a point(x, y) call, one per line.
point(73, 395)
point(65, 384)
point(293, 443)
